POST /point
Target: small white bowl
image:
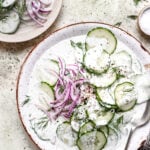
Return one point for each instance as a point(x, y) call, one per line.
point(144, 20)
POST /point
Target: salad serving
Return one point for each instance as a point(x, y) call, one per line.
point(86, 98)
point(15, 12)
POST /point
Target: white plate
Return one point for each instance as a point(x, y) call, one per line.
point(53, 40)
point(29, 31)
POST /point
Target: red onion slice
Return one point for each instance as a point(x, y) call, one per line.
point(31, 14)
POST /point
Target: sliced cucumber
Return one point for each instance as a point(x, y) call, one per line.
point(125, 96)
point(46, 87)
point(45, 96)
point(105, 79)
point(101, 117)
point(8, 3)
point(105, 96)
point(107, 106)
point(66, 134)
point(105, 130)
point(93, 140)
point(89, 126)
point(40, 128)
point(78, 118)
point(92, 105)
point(96, 61)
point(9, 23)
point(49, 71)
point(122, 61)
point(101, 38)
point(98, 114)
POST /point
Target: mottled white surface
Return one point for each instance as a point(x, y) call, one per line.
point(12, 134)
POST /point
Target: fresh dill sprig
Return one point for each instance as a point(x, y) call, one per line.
point(78, 44)
point(42, 122)
point(20, 7)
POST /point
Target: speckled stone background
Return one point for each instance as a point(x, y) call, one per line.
point(12, 134)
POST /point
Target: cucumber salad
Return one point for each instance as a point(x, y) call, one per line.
point(15, 12)
point(86, 98)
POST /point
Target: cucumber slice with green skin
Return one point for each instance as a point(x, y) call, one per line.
point(98, 114)
point(125, 96)
point(105, 79)
point(105, 96)
point(93, 140)
point(66, 134)
point(122, 62)
point(101, 38)
point(49, 72)
point(107, 106)
point(10, 23)
point(96, 61)
point(78, 118)
point(88, 126)
point(47, 88)
point(105, 130)
point(40, 127)
point(8, 3)
point(46, 96)
point(102, 117)
point(93, 106)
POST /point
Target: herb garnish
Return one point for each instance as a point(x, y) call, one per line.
point(34, 126)
point(136, 1)
point(26, 100)
point(42, 122)
point(132, 17)
point(118, 24)
point(21, 7)
point(115, 125)
point(78, 44)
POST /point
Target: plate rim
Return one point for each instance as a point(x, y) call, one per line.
point(47, 24)
point(34, 48)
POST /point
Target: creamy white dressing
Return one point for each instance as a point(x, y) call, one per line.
point(68, 53)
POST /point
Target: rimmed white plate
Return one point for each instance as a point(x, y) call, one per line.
point(53, 40)
point(28, 31)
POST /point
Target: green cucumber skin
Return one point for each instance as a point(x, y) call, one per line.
point(4, 21)
point(9, 6)
point(13, 31)
point(89, 132)
point(90, 121)
point(107, 128)
point(50, 86)
point(107, 85)
point(120, 110)
point(73, 115)
point(92, 70)
point(109, 120)
point(86, 44)
point(103, 103)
